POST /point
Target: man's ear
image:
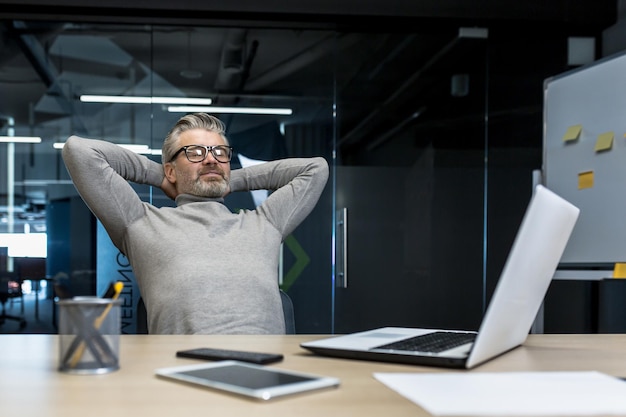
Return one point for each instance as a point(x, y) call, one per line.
point(170, 172)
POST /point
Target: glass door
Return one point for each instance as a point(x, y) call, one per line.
point(410, 182)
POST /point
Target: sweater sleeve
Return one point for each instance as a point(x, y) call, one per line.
point(100, 171)
point(296, 185)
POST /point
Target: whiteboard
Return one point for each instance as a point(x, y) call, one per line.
point(593, 97)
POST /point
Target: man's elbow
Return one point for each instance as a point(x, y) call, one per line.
point(322, 167)
point(69, 146)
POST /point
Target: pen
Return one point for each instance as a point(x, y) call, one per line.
point(112, 289)
point(117, 290)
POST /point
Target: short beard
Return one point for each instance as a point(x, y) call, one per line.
point(211, 189)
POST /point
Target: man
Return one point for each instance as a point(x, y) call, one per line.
point(200, 268)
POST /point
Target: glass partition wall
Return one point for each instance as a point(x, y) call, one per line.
point(398, 236)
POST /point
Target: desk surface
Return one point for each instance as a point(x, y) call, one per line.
point(30, 384)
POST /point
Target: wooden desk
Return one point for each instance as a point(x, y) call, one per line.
point(30, 384)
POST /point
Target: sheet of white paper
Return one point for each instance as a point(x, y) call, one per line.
point(511, 393)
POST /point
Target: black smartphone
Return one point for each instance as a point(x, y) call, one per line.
point(227, 354)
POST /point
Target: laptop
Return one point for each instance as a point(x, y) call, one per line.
point(524, 281)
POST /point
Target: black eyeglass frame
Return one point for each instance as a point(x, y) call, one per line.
point(207, 149)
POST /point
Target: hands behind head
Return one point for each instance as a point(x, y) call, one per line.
point(168, 188)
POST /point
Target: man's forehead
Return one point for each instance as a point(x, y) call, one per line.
point(200, 137)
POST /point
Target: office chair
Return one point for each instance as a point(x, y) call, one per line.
point(142, 317)
point(290, 321)
point(10, 288)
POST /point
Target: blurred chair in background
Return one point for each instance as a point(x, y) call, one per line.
point(11, 288)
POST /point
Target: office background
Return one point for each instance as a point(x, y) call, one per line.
point(430, 114)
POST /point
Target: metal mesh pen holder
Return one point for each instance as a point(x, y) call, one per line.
point(89, 335)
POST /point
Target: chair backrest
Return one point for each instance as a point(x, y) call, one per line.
point(290, 321)
point(142, 317)
point(10, 285)
point(61, 285)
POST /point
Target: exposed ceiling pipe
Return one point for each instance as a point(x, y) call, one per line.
point(38, 57)
point(35, 53)
point(8, 49)
point(299, 61)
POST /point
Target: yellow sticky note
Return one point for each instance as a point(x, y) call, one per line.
point(585, 180)
point(572, 133)
point(604, 142)
point(619, 271)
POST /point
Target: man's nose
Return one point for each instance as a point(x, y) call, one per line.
point(210, 159)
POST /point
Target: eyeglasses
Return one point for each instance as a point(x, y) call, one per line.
point(198, 153)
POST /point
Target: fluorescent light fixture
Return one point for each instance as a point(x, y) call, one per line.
point(39, 183)
point(234, 110)
point(140, 149)
point(20, 139)
point(135, 148)
point(145, 100)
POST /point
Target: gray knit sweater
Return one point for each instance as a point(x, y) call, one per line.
point(200, 268)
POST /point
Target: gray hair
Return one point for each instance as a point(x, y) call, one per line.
point(188, 122)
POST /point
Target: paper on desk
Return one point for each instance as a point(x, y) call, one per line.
point(511, 394)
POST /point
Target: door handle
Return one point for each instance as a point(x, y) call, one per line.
point(342, 248)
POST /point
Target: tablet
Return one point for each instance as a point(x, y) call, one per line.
point(247, 379)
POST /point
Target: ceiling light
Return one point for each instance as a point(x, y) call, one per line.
point(145, 100)
point(141, 149)
point(235, 110)
point(20, 139)
point(135, 148)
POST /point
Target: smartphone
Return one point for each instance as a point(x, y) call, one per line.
point(247, 379)
point(226, 354)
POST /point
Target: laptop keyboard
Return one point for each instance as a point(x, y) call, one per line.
point(431, 342)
